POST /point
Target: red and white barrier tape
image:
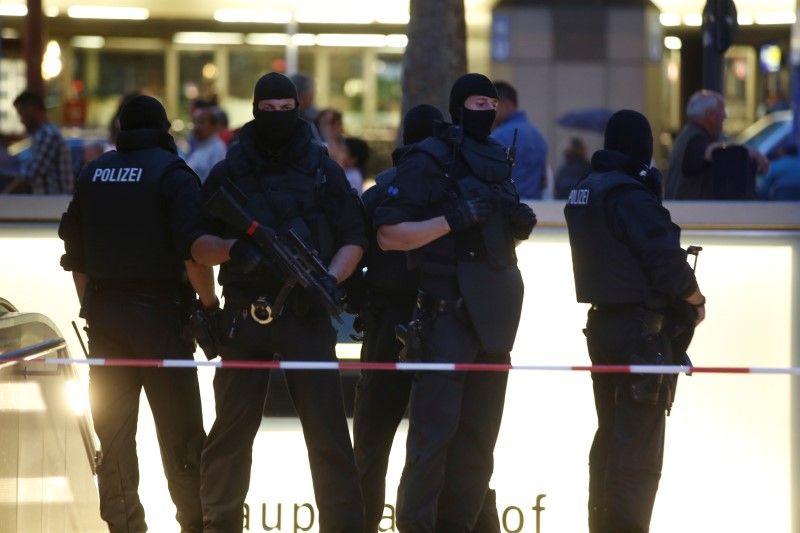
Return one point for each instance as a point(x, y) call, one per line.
point(420, 367)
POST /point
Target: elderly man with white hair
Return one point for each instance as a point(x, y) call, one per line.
point(689, 167)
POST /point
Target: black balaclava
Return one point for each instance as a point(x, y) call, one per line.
point(629, 132)
point(143, 113)
point(275, 126)
point(418, 123)
point(143, 123)
point(476, 124)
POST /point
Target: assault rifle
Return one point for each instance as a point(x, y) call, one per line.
point(300, 263)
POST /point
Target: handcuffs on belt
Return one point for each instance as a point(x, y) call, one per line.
point(261, 311)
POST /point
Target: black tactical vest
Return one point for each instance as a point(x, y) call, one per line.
point(283, 197)
point(485, 262)
point(606, 271)
point(386, 271)
point(124, 216)
point(472, 169)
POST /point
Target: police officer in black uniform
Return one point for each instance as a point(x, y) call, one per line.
point(382, 397)
point(128, 233)
point(454, 206)
point(285, 179)
point(628, 263)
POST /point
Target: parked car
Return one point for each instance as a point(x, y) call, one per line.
point(770, 134)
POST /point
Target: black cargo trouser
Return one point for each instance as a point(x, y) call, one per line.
point(454, 420)
point(123, 325)
point(381, 400)
point(317, 397)
point(628, 448)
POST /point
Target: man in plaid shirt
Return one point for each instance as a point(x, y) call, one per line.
point(49, 169)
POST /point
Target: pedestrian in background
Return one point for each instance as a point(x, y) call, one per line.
point(49, 168)
point(689, 166)
point(574, 167)
point(530, 166)
point(208, 149)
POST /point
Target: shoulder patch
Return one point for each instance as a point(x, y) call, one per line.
point(392, 191)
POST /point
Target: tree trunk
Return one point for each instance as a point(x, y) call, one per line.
point(436, 54)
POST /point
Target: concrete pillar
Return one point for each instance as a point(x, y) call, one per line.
point(34, 49)
point(370, 101)
point(222, 81)
point(322, 76)
point(171, 82)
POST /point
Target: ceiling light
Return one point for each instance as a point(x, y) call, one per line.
point(396, 40)
point(334, 17)
point(88, 41)
point(672, 43)
point(744, 19)
point(779, 17)
point(267, 39)
point(108, 12)
point(275, 16)
point(368, 40)
point(51, 61)
point(693, 19)
point(51, 11)
point(669, 19)
point(207, 37)
point(304, 39)
point(13, 10)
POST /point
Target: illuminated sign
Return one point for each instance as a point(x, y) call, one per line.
point(770, 58)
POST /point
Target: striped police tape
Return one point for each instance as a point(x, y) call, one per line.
point(416, 367)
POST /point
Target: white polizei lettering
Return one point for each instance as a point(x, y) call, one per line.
point(578, 197)
point(114, 175)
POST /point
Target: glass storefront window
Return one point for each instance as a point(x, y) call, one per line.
point(347, 86)
point(105, 76)
point(246, 66)
point(196, 78)
point(388, 70)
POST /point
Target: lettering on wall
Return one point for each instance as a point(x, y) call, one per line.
point(269, 516)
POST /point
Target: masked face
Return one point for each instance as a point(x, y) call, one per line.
point(478, 115)
point(276, 119)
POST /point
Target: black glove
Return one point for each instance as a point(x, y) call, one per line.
point(337, 293)
point(246, 255)
point(523, 220)
point(468, 213)
point(204, 325)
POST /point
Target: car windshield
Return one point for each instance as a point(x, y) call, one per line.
point(765, 133)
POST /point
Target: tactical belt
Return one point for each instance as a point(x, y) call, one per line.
point(652, 320)
point(432, 304)
point(153, 288)
point(262, 306)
